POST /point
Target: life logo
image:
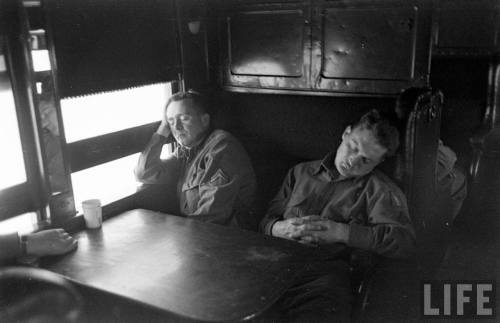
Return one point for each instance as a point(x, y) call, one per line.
point(458, 299)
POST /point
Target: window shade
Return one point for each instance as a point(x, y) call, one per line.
point(103, 45)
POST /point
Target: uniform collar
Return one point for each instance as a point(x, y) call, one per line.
point(190, 153)
point(327, 165)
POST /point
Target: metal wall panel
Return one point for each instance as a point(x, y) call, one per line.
point(326, 47)
point(369, 43)
point(265, 47)
point(266, 43)
point(368, 48)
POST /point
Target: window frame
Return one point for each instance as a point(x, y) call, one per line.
point(98, 150)
point(34, 195)
point(94, 151)
point(31, 195)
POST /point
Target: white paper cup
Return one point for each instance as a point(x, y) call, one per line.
point(92, 213)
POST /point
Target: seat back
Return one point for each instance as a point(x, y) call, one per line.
point(420, 113)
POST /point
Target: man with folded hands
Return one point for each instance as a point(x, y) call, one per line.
point(340, 204)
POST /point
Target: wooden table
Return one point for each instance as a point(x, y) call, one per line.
point(193, 269)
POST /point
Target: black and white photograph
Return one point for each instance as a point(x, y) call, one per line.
point(259, 161)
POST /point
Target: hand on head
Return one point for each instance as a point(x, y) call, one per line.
point(50, 242)
point(185, 116)
point(164, 128)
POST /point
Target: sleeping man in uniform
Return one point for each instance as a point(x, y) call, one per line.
point(214, 177)
point(339, 204)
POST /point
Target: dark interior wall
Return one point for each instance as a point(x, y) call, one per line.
point(303, 127)
point(464, 83)
point(279, 131)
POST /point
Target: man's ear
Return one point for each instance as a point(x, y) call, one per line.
point(346, 132)
point(205, 120)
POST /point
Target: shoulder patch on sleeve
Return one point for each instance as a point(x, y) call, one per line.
point(219, 178)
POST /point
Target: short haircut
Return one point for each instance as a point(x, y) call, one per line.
point(200, 102)
point(385, 132)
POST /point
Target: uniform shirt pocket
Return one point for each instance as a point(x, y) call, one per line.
point(191, 192)
point(297, 206)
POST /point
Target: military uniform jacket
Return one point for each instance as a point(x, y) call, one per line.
point(372, 205)
point(215, 181)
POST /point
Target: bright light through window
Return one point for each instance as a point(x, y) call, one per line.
point(99, 114)
point(41, 60)
point(12, 163)
point(23, 223)
point(107, 182)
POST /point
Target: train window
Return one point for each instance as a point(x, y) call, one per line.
point(12, 171)
point(23, 223)
point(109, 181)
point(103, 133)
point(98, 114)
